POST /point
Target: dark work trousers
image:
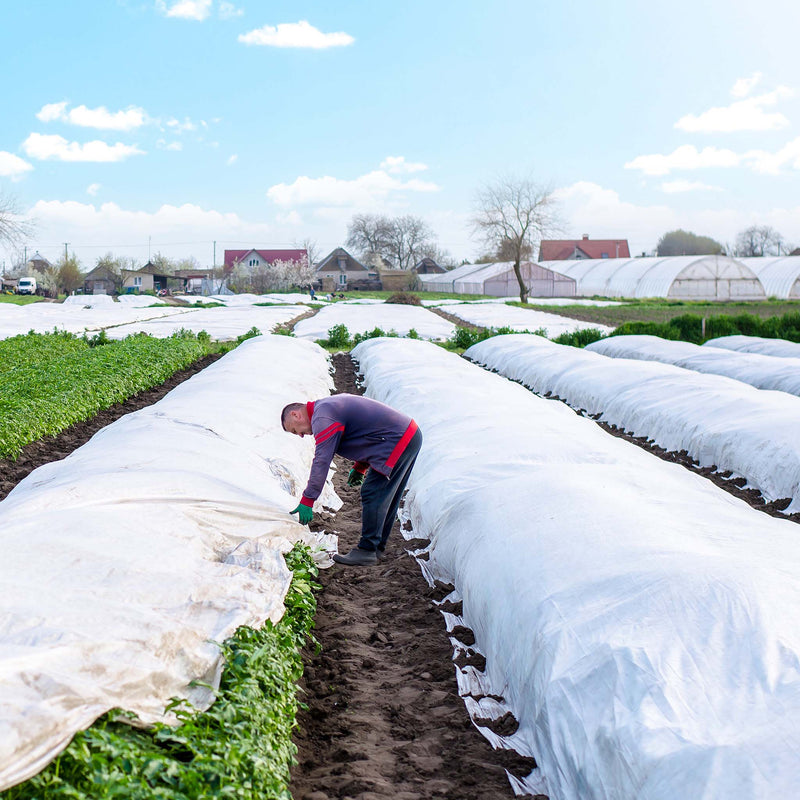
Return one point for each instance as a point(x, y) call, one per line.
point(380, 497)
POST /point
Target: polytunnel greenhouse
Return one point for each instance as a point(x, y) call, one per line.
point(679, 277)
point(779, 275)
point(498, 280)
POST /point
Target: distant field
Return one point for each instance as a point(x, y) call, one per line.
point(665, 310)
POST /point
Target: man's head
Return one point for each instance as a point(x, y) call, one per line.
point(294, 419)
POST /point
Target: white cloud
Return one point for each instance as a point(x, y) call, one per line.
point(771, 163)
point(398, 164)
point(232, 160)
point(100, 117)
point(93, 189)
point(47, 147)
point(295, 34)
point(744, 86)
point(163, 144)
point(176, 126)
point(229, 11)
point(292, 218)
point(675, 187)
point(365, 191)
point(685, 157)
point(185, 9)
point(743, 115)
point(12, 166)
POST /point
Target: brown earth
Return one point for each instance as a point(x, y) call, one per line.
point(384, 719)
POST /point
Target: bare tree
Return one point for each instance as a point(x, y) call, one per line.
point(13, 227)
point(512, 216)
point(369, 234)
point(312, 249)
point(401, 241)
point(758, 240)
point(409, 238)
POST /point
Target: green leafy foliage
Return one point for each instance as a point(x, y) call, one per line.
point(42, 397)
point(240, 747)
point(464, 338)
point(37, 349)
point(580, 338)
point(693, 328)
point(338, 336)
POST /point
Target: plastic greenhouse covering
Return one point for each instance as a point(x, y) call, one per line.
point(125, 562)
point(718, 421)
point(763, 372)
point(640, 622)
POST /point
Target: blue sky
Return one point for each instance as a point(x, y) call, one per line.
point(139, 126)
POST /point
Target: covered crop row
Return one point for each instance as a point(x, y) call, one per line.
point(718, 421)
point(128, 564)
point(756, 344)
point(42, 397)
point(763, 372)
point(640, 622)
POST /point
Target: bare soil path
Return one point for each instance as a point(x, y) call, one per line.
point(384, 718)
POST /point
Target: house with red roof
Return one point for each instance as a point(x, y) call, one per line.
point(254, 258)
point(570, 249)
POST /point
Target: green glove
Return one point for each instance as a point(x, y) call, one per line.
point(304, 513)
point(355, 478)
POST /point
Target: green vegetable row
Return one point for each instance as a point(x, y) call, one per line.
point(37, 349)
point(42, 399)
point(241, 747)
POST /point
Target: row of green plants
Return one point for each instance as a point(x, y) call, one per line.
point(696, 329)
point(38, 349)
point(240, 747)
point(57, 381)
point(339, 337)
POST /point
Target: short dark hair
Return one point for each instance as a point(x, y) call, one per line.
point(287, 409)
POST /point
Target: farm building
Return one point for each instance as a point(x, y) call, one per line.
point(779, 275)
point(574, 249)
point(683, 277)
point(499, 280)
point(339, 270)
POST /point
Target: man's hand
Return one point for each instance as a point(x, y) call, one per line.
point(305, 513)
point(355, 478)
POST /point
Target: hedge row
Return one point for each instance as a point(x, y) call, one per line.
point(692, 328)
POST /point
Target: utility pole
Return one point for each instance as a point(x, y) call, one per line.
point(215, 255)
point(66, 251)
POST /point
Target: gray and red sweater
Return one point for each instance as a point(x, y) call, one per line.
point(368, 432)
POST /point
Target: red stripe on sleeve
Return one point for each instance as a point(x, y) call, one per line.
point(332, 431)
point(402, 444)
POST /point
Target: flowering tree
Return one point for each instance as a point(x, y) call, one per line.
point(275, 277)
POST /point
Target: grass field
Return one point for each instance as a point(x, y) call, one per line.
point(664, 310)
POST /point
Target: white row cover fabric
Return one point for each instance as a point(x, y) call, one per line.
point(495, 315)
point(689, 277)
point(640, 621)
point(124, 318)
point(763, 372)
point(360, 318)
point(75, 317)
point(126, 561)
point(223, 324)
point(778, 348)
point(719, 421)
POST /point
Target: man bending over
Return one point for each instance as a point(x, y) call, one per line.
point(384, 445)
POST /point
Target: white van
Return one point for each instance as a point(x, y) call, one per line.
point(26, 286)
